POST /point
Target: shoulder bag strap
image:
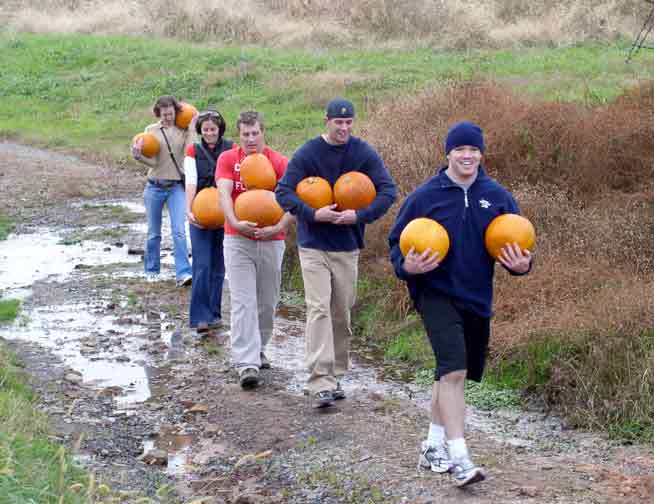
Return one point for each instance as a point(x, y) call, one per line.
point(206, 153)
point(172, 156)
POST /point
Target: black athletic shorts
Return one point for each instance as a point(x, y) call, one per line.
point(458, 337)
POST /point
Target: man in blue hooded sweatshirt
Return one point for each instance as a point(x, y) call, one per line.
point(454, 297)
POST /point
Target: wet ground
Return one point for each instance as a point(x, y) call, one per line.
point(156, 412)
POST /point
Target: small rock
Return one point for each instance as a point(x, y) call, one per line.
point(73, 378)
point(198, 408)
point(528, 491)
point(155, 457)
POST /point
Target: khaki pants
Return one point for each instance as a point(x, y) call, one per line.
point(254, 271)
point(330, 280)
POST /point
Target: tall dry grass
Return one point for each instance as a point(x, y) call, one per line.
point(320, 23)
point(584, 176)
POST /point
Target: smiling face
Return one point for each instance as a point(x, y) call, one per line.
point(339, 130)
point(210, 131)
point(251, 137)
point(463, 163)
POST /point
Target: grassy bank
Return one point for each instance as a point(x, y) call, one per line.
point(32, 467)
point(93, 93)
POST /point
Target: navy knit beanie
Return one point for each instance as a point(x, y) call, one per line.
point(464, 133)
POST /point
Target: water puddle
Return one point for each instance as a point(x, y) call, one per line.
point(172, 446)
point(27, 258)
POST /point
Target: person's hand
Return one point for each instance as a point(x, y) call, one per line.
point(327, 214)
point(137, 149)
point(192, 220)
point(267, 233)
point(514, 258)
point(346, 218)
point(416, 264)
point(246, 228)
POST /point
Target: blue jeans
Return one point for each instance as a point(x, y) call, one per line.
point(155, 198)
point(208, 275)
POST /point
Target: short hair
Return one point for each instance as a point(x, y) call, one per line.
point(166, 101)
point(215, 117)
point(250, 118)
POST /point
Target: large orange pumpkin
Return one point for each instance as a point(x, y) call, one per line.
point(354, 190)
point(315, 192)
point(185, 115)
point(257, 172)
point(150, 144)
point(422, 234)
point(207, 209)
point(509, 228)
point(258, 206)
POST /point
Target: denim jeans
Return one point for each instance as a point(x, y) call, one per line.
point(208, 275)
point(155, 198)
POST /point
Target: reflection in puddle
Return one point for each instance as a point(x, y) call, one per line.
point(175, 445)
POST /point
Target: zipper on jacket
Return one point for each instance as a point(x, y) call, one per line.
point(465, 199)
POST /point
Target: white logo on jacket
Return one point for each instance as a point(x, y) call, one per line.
point(484, 203)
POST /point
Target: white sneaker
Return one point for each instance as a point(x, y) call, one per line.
point(466, 472)
point(434, 458)
point(152, 277)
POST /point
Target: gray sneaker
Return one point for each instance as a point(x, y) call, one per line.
point(265, 363)
point(434, 458)
point(248, 377)
point(338, 393)
point(466, 472)
point(323, 399)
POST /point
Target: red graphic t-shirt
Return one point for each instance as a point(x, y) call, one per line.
point(229, 167)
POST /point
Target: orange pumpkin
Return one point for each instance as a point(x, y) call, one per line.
point(315, 192)
point(185, 115)
point(354, 190)
point(422, 234)
point(150, 144)
point(509, 228)
point(207, 209)
point(257, 172)
point(258, 206)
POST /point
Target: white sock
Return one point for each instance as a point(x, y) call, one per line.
point(436, 435)
point(457, 449)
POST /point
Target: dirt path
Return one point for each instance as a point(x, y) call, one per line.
point(120, 375)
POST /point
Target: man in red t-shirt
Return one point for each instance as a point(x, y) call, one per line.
point(253, 255)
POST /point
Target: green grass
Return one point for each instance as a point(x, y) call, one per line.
point(9, 309)
point(531, 365)
point(94, 93)
point(32, 468)
point(6, 226)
